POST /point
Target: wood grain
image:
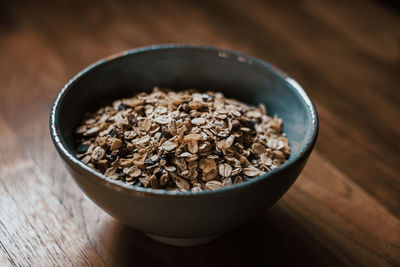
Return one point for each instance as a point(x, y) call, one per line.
point(32, 219)
point(343, 210)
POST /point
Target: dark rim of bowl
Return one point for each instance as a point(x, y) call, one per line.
point(57, 137)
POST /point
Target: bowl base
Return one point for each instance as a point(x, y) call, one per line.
point(183, 242)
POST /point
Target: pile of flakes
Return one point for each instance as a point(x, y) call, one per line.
point(181, 141)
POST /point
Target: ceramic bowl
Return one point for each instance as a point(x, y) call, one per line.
point(185, 218)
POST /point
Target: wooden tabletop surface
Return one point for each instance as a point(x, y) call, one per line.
point(343, 210)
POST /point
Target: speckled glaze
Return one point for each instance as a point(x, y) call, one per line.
point(185, 218)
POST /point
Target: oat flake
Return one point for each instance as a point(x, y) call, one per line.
point(181, 140)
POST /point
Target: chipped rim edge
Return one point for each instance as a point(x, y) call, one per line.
point(121, 186)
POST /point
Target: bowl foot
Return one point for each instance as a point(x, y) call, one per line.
point(182, 241)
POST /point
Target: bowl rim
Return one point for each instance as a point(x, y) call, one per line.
point(228, 54)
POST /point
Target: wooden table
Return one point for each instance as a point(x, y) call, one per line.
point(343, 210)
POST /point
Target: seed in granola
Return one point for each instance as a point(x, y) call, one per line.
point(193, 137)
point(110, 173)
point(187, 123)
point(180, 163)
point(132, 171)
point(192, 165)
point(100, 141)
point(193, 174)
point(258, 148)
point(139, 109)
point(251, 171)
point(253, 114)
point(224, 169)
point(125, 162)
point(172, 127)
point(144, 125)
point(212, 185)
point(116, 144)
point(266, 159)
point(91, 165)
point(142, 141)
point(204, 147)
point(86, 159)
point(132, 119)
point(90, 121)
point(185, 107)
point(129, 134)
point(193, 147)
point(196, 189)
point(91, 131)
point(186, 155)
point(198, 121)
point(170, 168)
point(81, 129)
point(164, 179)
point(195, 105)
point(155, 158)
point(98, 153)
point(243, 161)
point(182, 183)
point(238, 180)
point(153, 181)
point(169, 146)
point(165, 132)
point(164, 120)
point(210, 176)
point(221, 116)
point(118, 133)
point(227, 182)
point(235, 123)
point(236, 171)
point(279, 154)
point(207, 165)
point(225, 144)
point(229, 141)
point(221, 145)
point(145, 181)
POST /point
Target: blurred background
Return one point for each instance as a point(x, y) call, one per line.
point(346, 54)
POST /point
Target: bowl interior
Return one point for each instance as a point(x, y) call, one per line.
point(234, 74)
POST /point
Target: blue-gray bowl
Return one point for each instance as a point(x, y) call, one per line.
point(185, 218)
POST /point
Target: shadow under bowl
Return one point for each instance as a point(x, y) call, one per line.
point(185, 218)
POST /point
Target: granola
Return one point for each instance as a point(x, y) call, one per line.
point(183, 140)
